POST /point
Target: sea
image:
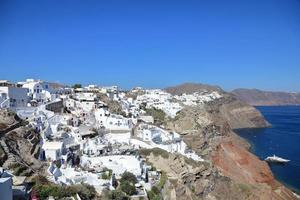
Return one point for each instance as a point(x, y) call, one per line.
point(282, 139)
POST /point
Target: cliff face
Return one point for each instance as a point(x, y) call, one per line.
point(190, 180)
point(238, 113)
point(251, 174)
point(230, 156)
point(241, 115)
point(265, 98)
point(19, 145)
point(235, 172)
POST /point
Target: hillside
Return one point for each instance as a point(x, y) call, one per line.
point(233, 171)
point(19, 145)
point(266, 98)
point(238, 113)
point(189, 88)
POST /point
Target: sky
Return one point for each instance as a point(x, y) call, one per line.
point(153, 43)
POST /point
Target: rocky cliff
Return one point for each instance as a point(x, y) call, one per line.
point(265, 98)
point(19, 145)
point(232, 171)
point(238, 113)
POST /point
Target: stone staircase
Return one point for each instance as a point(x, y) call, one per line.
point(11, 159)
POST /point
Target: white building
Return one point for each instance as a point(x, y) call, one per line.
point(53, 150)
point(147, 119)
point(150, 134)
point(35, 90)
point(198, 97)
point(111, 121)
point(42, 91)
point(11, 96)
point(160, 100)
point(84, 100)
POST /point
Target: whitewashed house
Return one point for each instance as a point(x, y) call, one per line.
point(160, 100)
point(53, 150)
point(112, 122)
point(42, 91)
point(147, 135)
point(12, 96)
point(35, 90)
point(147, 119)
point(85, 101)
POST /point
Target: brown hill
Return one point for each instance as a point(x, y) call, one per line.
point(266, 98)
point(189, 88)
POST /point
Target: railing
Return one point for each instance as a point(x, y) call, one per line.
point(2, 105)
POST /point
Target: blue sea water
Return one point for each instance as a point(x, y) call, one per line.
point(282, 139)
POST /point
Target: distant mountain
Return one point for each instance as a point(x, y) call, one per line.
point(190, 88)
point(266, 98)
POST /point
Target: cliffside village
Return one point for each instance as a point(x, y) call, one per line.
point(84, 140)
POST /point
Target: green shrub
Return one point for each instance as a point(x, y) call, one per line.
point(86, 192)
point(158, 114)
point(128, 177)
point(117, 195)
point(145, 152)
point(105, 176)
point(150, 195)
point(128, 188)
point(162, 181)
point(155, 151)
point(127, 183)
point(160, 152)
point(155, 190)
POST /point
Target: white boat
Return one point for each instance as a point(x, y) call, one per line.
point(276, 159)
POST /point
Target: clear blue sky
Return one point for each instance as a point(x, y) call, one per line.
point(155, 43)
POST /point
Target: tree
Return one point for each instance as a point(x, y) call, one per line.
point(129, 177)
point(77, 85)
point(117, 195)
point(127, 183)
point(128, 188)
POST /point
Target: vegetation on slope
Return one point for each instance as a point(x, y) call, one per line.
point(43, 188)
point(155, 151)
point(155, 192)
point(158, 115)
point(127, 183)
